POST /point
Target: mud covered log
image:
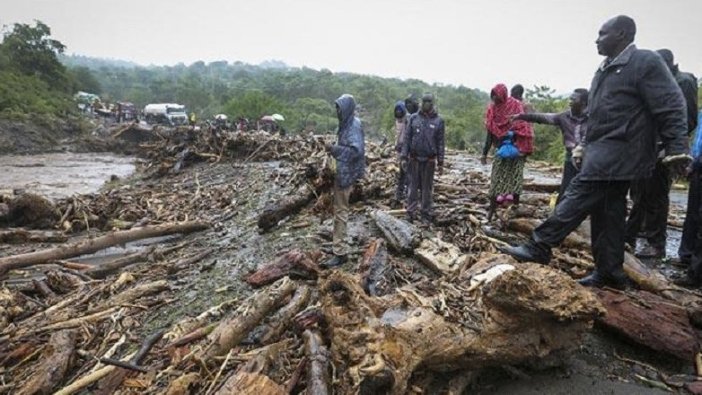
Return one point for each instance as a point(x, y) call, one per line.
point(318, 365)
point(56, 361)
point(283, 318)
point(650, 320)
point(251, 378)
point(531, 313)
point(105, 269)
point(295, 264)
point(277, 210)
point(439, 256)
point(234, 329)
point(527, 225)
point(20, 236)
point(30, 211)
point(401, 236)
point(374, 269)
point(93, 245)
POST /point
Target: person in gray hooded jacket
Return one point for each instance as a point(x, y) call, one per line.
point(349, 153)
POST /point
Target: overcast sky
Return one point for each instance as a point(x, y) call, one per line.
point(476, 43)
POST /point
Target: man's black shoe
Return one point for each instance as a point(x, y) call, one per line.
point(334, 261)
point(526, 253)
point(650, 252)
point(688, 282)
point(596, 280)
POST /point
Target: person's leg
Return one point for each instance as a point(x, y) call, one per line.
point(341, 215)
point(656, 224)
point(413, 184)
point(692, 219)
point(608, 221)
point(638, 212)
point(569, 172)
point(400, 190)
point(579, 199)
point(427, 181)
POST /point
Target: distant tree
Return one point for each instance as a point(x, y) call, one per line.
point(84, 80)
point(31, 51)
point(548, 141)
point(253, 105)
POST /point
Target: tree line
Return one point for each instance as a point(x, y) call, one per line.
point(36, 78)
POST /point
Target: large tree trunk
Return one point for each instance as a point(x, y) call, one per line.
point(56, 361)
point(529, 313)
point(234, 329)
point(93, 245)
point(650, 320)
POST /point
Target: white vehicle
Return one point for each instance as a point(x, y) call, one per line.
point(171, 114)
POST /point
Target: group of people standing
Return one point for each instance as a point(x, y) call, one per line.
point(627, 134)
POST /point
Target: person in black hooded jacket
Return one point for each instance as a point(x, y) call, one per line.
point(349, 154)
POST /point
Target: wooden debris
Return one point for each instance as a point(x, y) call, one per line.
point(294, 264)
point(401, 236)
point(20, 236)
point(374, 269)
point(631, 314)
point(96, 244)
point(55, 363)
point(319, 365)
point(441, 257)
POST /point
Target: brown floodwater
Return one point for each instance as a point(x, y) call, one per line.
point(59, 175)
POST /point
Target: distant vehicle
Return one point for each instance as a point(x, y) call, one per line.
point(170, 114)
point(125, 112)
point(85, 100)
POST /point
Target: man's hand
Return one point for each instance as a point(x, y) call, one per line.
point(577, 157)
point(483, 160)
point(403, 163)
point(515, 117)
point(328, 147)
point(678, 164)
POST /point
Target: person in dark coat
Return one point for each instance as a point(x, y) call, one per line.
point(650, 196)
point(573, 125)
point(691, 246)
point(423, 151)
point(349, 154)
point(634, 101)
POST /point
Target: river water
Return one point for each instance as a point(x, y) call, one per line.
point(59, 175)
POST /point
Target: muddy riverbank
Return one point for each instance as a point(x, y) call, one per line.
point(230, 195)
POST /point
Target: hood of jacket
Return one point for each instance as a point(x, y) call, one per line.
point(347, 104)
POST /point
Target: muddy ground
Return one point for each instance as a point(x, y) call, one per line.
point(603, 365)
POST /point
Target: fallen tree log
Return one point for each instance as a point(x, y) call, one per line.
point(522, 315)
point(276, 211)
point(401, 236)
point(283, 318)
point(105, 269)
point(56, 361)
point(294, 264)
point(318, 365)
point(651, 321)
point(374, 269)
point(232, 330)
point(93, 245)
point(250, 377)
point(20, 236)
point(439, 256)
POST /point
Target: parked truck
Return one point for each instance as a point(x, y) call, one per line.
point(170, 114)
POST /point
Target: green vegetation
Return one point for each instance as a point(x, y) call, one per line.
point(36, 79)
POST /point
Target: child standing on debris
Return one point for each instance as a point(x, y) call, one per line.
point(349, 153)
point(514, 140)
point(401, 118)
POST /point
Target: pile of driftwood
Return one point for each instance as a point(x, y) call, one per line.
point(418, 304)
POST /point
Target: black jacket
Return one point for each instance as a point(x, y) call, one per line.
point(688, 84)
point(634, 100)
point(424, 137)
